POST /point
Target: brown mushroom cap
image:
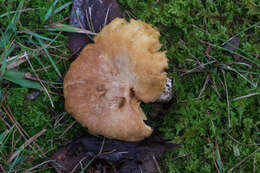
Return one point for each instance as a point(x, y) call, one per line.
point(106, 83)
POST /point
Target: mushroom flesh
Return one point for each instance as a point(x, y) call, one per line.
point(105, 85)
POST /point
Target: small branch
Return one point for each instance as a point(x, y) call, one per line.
point(67, 129)
point(204, 85)
point(240, 162)
point(2, 168)
point(36, 166)
point(227, 98)
point(157, 165)
point(246, 96)
point(254, 164)
point(21, 148)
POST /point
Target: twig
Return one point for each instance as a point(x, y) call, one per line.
point(185, 155)
point(2, 168)
point(93, 158)
point(240, 142)
point(217, 167)
point(48, 66)
point(15, 64)
point(240, 162)
point(3, 119)
point(212, 148)
point(204, 85)
point(227, 98)
point(246, 96)
point(214, 86)
point(218, 153)
point(18, 126)
point(25, 145)
point(157, 165)
point(74, 169)
point(254, 164)
point(45, 89)
point(31, 77)
point(199, 68)
point(16, 57)
point(67, 129)
point(108, 10)
point(36, 166)
point(140, 168)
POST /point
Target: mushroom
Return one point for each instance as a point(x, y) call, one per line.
point(105, 85)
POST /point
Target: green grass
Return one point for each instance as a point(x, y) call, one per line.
point(217, 128)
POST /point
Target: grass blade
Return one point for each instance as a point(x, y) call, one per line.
point(17, 160)
point(18, 13)
point(68, 28)
point(18, 78)
point(36, 35)
point(50, 11)
point(3, 62)
point(62, 7)
point(49, 56)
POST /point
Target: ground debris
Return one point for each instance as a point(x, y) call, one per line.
point(91, 15)
point(232, 44)
point(98, 155)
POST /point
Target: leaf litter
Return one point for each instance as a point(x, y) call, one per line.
point(95, 154)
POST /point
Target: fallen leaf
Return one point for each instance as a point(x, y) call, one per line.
point(108, 155)
point(232, 44)
point(90, 15)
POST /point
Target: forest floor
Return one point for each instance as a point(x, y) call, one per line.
point(213, 49)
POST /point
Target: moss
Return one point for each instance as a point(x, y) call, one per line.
point(199, 125)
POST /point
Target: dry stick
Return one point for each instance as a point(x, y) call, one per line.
point(16, 57)
point(89, 24)
point(40, 81)
point(2, 168)
point(204, 85)
point(47, 67)
point(108, 10)
point(15, 64)
point(91, 20)
point(20, 60)
point(228, 105)
point(199, 68)
point(254, 164)
point(25, 145)
point(245, 96)
point(20, 129)
point(17, 125)
point(30, 77)
point(157, 165)
point(74, 169)
point(240, 142)
point(215, 87)
point(54, 55)
point(214, 159)
point(6, 123)
point(216, 142)
point(140, 168)
point(93, 158)
point(13, 145)
point(67, 129)
point(36, 166)
point(216, 166)
point(185, 155)
point(240, 162)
